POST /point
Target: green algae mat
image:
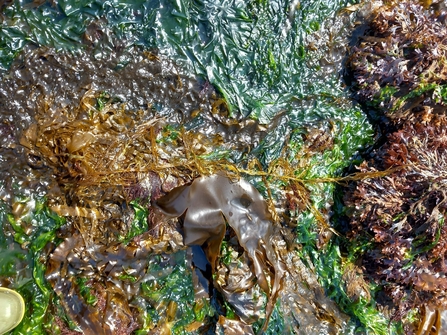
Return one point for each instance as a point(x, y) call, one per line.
point(182, 167)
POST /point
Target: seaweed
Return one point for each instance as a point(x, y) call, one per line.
point(210, 202)
point(117, 275)
point(404, 214)
point(397, 67)
point(139, 224)
point(274, 106)
point(35, 226)
point(399, 60)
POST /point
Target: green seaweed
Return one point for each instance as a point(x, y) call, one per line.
point(85, 291)
point(139, 224)
point(169, 134)
point(276, 324)
point(262, 70)
point(172, 284)
point(12, 254)
point(32, 284)
point(366, 319)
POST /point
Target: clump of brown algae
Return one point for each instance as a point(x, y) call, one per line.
point(210, 202)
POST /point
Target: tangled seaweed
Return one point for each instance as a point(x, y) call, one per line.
point(404, 213)
point(398, 64)
point(114, 277)
point(398, 67)
point(110, 157)
point(98, 178)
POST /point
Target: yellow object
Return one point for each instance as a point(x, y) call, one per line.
point(12, 309)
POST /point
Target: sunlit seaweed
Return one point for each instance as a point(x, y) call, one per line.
point(117, 275)
point(404, 213)
point(37, 292)
point(98, 143)
point(102, 155)
point(398, 67)
point(97, 188)
point(398, 63)
point(210, 202)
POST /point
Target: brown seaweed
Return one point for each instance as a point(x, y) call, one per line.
point(398, 71)
point(212, 201)
point(433, 321)
point(404, 213)
point(397, 59)
point(101, 152)
point(104, 267)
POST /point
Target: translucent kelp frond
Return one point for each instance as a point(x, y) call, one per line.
point(210, 203)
